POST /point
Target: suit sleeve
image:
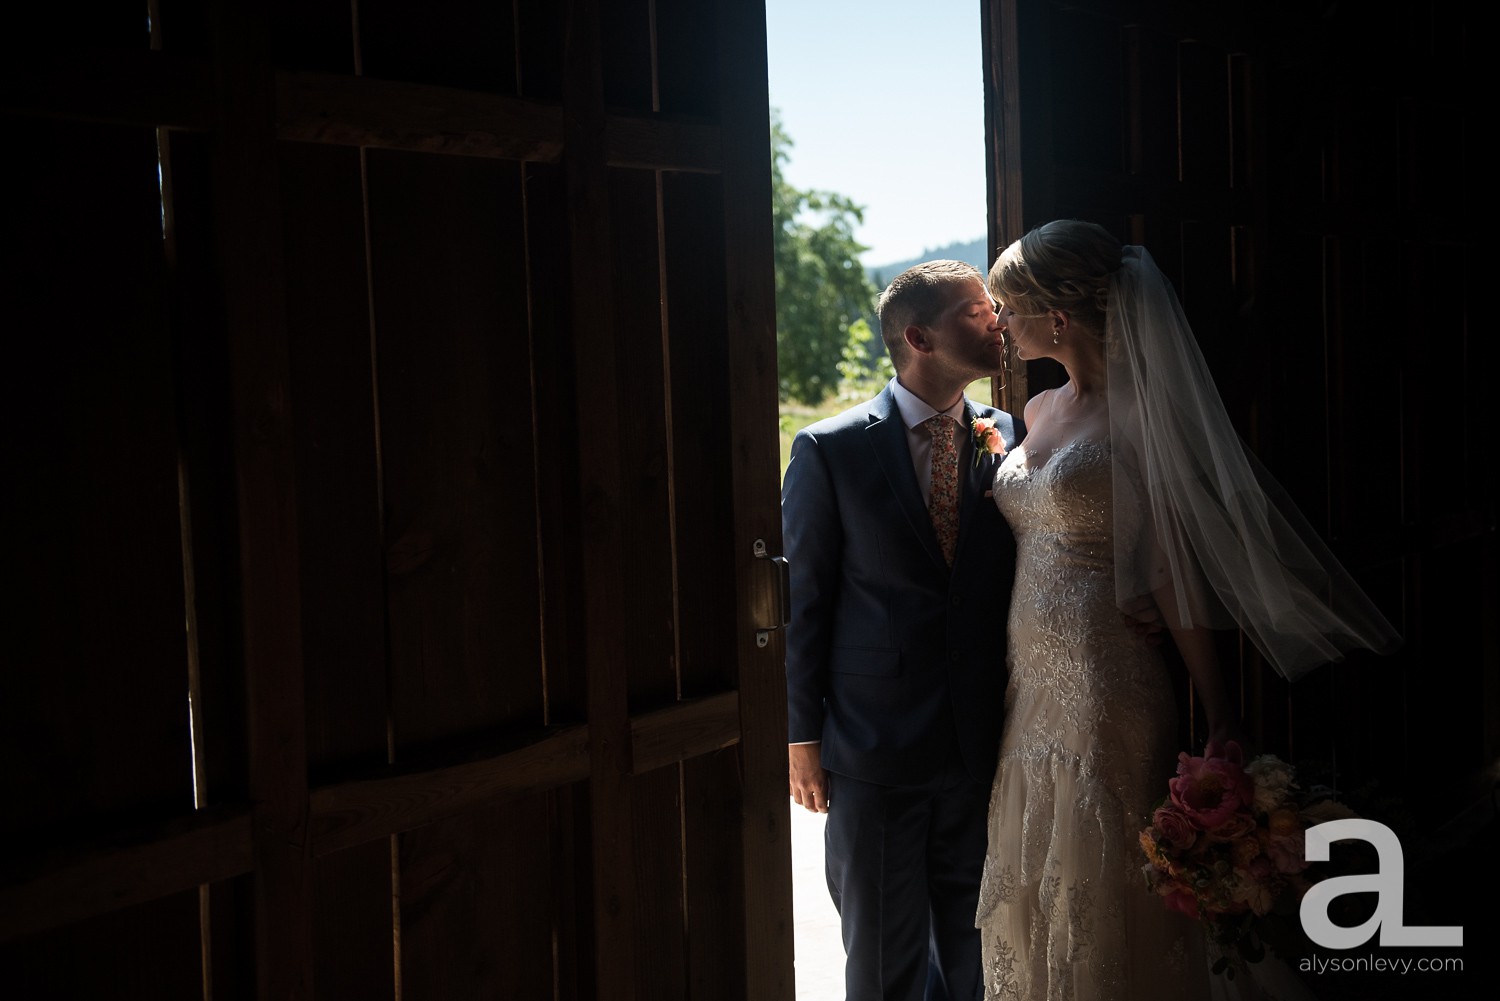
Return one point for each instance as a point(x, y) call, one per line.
point(813, 537)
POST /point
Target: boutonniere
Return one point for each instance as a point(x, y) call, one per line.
point(987, 440)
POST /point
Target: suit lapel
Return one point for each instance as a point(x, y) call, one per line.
point(888, 439)
point(979, 478)
point(974, 473)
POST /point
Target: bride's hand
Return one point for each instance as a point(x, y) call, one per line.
point(1144, 619)
point(1221, 736)
point(808, 780)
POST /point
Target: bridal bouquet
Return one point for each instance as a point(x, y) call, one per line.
point(1226, 847)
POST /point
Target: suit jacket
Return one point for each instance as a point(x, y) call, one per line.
point(894, 660)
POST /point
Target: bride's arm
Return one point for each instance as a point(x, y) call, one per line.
point(1196, 645)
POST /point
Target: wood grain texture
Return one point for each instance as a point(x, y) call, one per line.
point(420, 117)
point(98, 874)
point(351, 813)
point(52, 888)
point(647, 457)
point(700, 412)
point(595, 347)
point(250, 252)
point(659, 929)
point(449, 299)
point(338, 466)
point(749, 293)
point(475, 905)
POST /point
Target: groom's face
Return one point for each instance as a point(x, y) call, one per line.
point(967, 337)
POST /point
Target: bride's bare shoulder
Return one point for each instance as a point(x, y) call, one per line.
point(1036, 405)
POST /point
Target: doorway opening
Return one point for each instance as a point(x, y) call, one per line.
point(876, 167)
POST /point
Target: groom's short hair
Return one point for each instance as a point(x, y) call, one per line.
point(918, 296)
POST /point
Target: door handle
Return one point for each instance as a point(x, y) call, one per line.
point(782, 575)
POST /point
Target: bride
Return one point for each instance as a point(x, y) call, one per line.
point(1130, 493)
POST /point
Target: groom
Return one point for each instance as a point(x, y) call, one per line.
point(901, 576)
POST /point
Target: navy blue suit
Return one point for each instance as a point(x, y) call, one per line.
point(896, 663)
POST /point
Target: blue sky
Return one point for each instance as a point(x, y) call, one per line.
point(884, 102)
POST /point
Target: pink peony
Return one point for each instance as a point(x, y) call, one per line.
point(1174, 826)
point(1211, 790)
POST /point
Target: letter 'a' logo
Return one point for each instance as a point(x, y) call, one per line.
point(1388, 884)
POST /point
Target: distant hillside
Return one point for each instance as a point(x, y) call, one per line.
point(973, 251)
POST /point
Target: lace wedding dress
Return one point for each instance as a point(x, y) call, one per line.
point(1089, 743)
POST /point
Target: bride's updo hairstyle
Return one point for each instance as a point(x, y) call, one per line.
point(1064, 264)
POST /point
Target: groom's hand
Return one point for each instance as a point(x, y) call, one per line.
point(809, 783)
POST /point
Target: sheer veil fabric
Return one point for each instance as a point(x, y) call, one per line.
point(1229, 547)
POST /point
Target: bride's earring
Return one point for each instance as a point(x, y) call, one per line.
point(1056, 333)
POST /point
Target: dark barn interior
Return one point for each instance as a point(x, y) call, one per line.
point(391, 409)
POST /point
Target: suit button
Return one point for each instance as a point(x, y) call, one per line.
point(957, 600)
point(955, 655)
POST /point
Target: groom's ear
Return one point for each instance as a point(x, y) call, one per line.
point(916, 339)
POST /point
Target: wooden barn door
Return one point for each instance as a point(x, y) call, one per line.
point(1310, 202)
point(391, 441)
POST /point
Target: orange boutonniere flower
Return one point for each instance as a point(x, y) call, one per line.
point(987, 440)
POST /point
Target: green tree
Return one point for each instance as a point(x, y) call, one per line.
point(822, 291)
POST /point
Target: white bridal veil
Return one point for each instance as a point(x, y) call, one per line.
point(1229, 547)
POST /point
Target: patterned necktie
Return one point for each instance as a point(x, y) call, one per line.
point(942, 504)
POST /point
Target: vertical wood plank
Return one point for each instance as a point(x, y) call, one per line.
point(539, 50)
point(206, 464)
point(448, 273)
point(337, 466)
point(645, 462)
point(740, 44)
point(462, 43)
point(312, 34)
point(629, 74)
point(1202, 107)
point(594, 347)
point(1002, 164)
point(688, 40)
point(721, 943)
point(1094, 42)
point(354, 953)
point(147, 951)
point(248, 223)
point(702, 412)
point(476, 905)
point(662, 935)
point(556, 428)
point(338, 517)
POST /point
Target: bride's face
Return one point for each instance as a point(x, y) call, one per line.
point(1030, 336)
